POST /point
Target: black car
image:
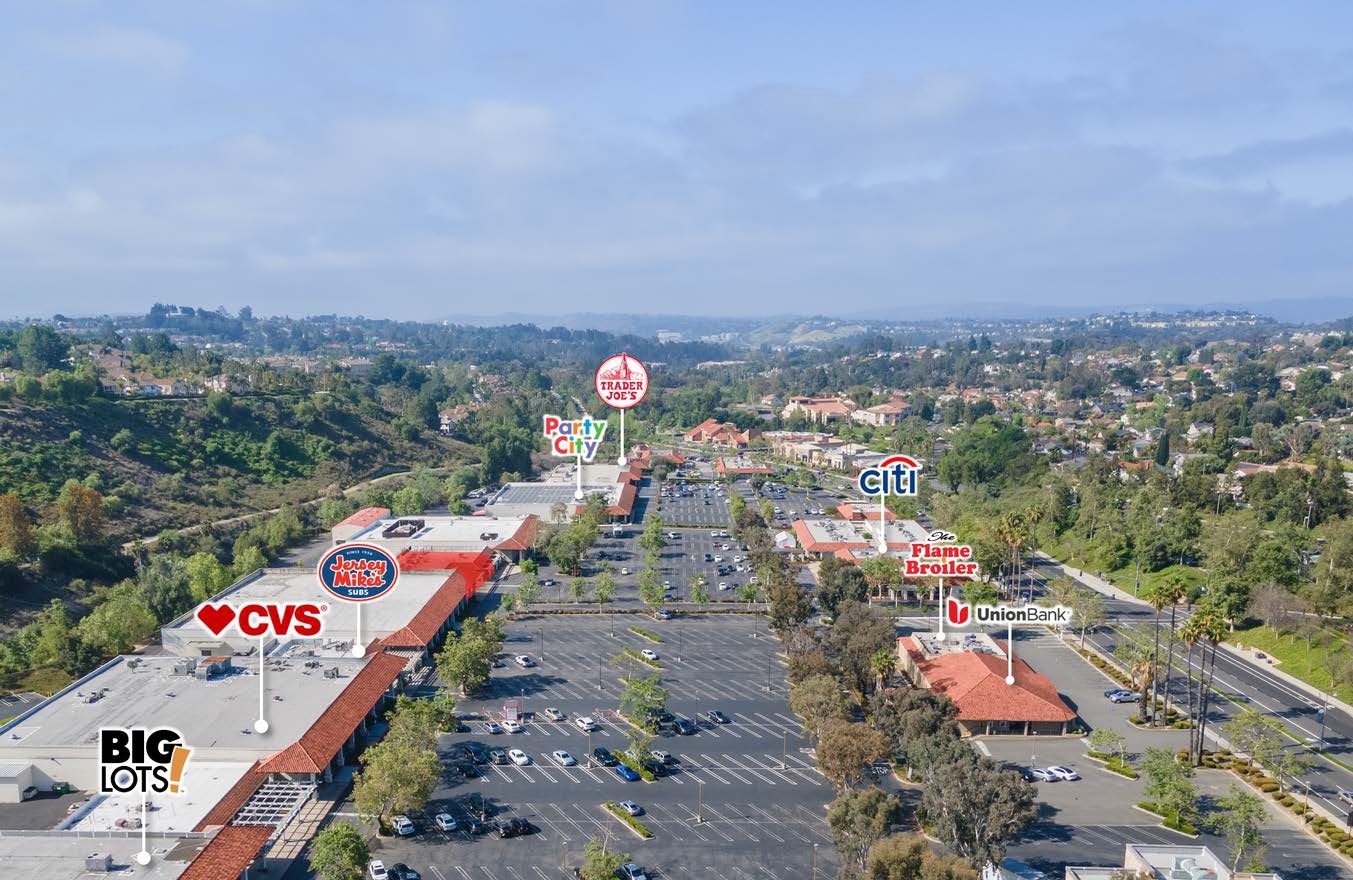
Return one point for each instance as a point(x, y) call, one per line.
point(475, 827)
point(476, 753)
point(467, 770)
point(684, 726)
point(654, 766)
point(401, 871)
point(523, 826)
point(505, 828)
point(604, 757)
point(716, 716)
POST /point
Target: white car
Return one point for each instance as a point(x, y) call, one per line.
point(492, 727)
point(585, 723)
point(624, 571)
point(375, 869)
point(672, 535)
point(649, 654)
point(403, 826)
point(564, 759)
point(722, 586)
point(554, 714)
point(518, 757)
point(512, 726)
point(445, 822)
point(632, 808)
point(524, 661)
point(1066, 774)
point(718, 559)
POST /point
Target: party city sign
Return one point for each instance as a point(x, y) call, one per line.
point(580, 437)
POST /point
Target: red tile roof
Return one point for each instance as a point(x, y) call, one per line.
point(424, 626)
point(313, 752)
point(366, 516)
point(229, 853)
point(525, 535)
point(976, 684)
point(857, 511)
point(235, 798)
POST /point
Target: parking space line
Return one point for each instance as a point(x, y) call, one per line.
point(710, 765)
point(462, 871)
point(487, 873)
point(584, 833)
point(601, 826)
point(522, 771)
point(726, 822)
point(773, 763)
point(752, 770)
point(787, 826)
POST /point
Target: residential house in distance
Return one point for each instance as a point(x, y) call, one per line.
point(715, 433)
point(885, 415)
point(819, 410)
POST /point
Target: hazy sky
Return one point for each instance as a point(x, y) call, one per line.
point(422, 159)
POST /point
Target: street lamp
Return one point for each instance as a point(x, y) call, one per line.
point(542, 644)
point(699, 801)
point(784, 749)
point(815, 861)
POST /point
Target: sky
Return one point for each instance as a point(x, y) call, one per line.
point(417, 159)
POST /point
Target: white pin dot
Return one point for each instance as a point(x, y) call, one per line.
point(1010, 679)
point(358, 650)
point(261, 725)
point(143, 858)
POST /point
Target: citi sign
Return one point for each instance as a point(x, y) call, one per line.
point(255, 619)
point(895, 475)
point(960, 614)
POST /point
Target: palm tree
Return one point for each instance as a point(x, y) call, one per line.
point(1211, 629)
point(1159, 596)
point(882, 664)
point(1190, 634)
point(1143, 672)
point(1174, 591)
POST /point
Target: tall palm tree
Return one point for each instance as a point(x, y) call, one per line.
point(1157, 594)
point(1210, 630)
point(1174, 591)
point(1190, 633)
point(882, 664)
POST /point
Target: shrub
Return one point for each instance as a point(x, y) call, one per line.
point(639, 827)
point(646, 634)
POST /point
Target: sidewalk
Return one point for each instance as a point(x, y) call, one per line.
point(1095, 583)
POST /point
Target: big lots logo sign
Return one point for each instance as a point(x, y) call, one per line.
point(895, 475)
point(255, 619)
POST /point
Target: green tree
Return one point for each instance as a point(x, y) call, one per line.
point(977, 809)
point(407, 501)
point(528, 592)
point(860, 632)
point(339, 852)
point(858, 819)
point(80, 511)
point(908, 857)
point(464, 662)
point(789, 604)
point(651, 591)
point(206, 575)
point(395, 779)
point(1170, 784)
point(1107, 741)
point(164, 584)
point(839, 582)
point(846, 750)
point(642, 696)
point(120, 621)
point(40, 348)
point(1257, 736)
point(599, 863)
point(818, 699)
point(17, 540)
point(248, 560)
point(653, 538)
point(1237, 818)
point(578, 587)
point(699, 590)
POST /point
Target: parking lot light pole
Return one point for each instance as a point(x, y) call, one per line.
point(542, 644)
point(815, 861)
point(784, 749)
point(699, 801)
point(599, 685)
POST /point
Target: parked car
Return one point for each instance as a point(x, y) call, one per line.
point(524, 661)
point(518, 757)
point(492, 727)
point(445, 822)
point(626, 773)
point(632, 808)
point(604, 757)
point(474, 827)
point(1066, 774)
point(375, 869)
point(512, 726)
point(716, 716)
point(498, 756)
point(476, 753)
point(505, 828)
point(631, 871)
point(403, 826)
point(564, 759)
point(662, 614)
point(654, 766)
point(684, 726)
point(554, 714)
point(649, 654)
point(467, 769)
point(401, 871)
point(1120, 695)
point(585, 723)
point(664, 757)
point(1038, 774)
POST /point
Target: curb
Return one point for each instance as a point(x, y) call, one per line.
point(1161, 823)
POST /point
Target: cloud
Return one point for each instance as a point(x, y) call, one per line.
point(1262, 156)
point(123, 47)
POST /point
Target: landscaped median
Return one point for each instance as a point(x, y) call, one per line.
point(646, 634)
point(644, 774)
point(1113, 763)
point(640, 658)
point(1174, 823)
point(634, 824)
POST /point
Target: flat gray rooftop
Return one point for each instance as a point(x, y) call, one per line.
point(457, 534)
point(215, 716)
point(62, 856)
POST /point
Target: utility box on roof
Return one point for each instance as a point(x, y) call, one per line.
point(14, 779)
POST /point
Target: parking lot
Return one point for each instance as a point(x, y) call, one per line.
point(742, 800)
point(705, 506)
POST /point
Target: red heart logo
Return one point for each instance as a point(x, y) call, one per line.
point(216, 617)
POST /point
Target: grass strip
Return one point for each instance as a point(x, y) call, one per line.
point(646, 634)
point(634, 824)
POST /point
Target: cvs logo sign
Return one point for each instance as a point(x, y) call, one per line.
point(256, 619)
point(895, 475)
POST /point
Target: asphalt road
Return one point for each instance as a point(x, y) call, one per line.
point(744, 801)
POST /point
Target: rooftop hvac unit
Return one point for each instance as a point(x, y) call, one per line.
point(186, 666)
point(99, 862)
point(331, 672)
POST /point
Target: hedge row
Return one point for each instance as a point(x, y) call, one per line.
point(646, 634)
point(638, 827)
